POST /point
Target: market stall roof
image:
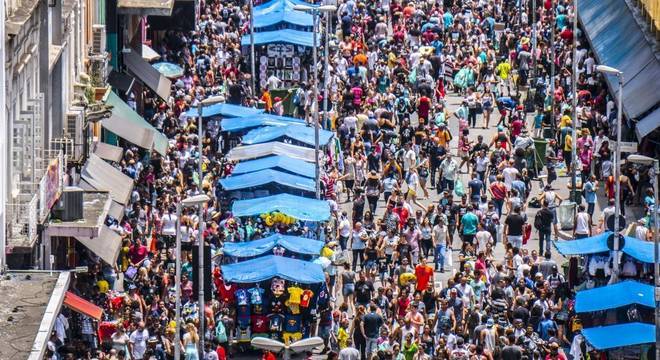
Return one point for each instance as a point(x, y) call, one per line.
point(132, 127)
point(590, 245)
point(274, 5)
point(246, 152)
point(102, 176)
point(267, 176)
point(638, 249)
point(285, 36)
point(619, 335)
point(145, 7)
point(142, 70)
point(604, 21)
point(258, 247)
point(283, 13)
point(80, 305)
point(268, 267)
point(224, 110)
point(302, 134)
point(238, 124)
point(282, 163)
point(149, 54)
point(614, 296)
point(298, 207)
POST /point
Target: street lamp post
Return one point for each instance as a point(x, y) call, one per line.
point(645, 160)
point(188, 202)
point(316, 11)
point(253, 75)
point(617, 157)
point(575, 104)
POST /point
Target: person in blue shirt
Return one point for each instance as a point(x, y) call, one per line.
point(448, 20)
point(546, 325)
point(590, 188)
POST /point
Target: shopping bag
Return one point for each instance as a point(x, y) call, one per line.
point(527, 233)
point(448, 258)
point(459, 190)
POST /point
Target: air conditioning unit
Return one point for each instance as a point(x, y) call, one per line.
point(69, 207)
point(98, 70)
point(98, 39)
point(74, 130)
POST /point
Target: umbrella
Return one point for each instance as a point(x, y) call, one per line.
point(149, 54)
point(169, 70)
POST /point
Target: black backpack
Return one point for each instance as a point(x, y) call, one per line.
point(538, 221)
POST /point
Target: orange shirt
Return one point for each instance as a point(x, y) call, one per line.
point(424, 273)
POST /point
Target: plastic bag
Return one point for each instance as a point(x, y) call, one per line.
point(459, 189)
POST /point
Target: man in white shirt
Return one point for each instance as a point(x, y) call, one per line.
point(343, 230)
point(138, 342)
point(606, 213)
point(581, 228)
point(409, 159)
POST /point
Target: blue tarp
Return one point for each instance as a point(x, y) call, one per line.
point(302, 134)
point(283, 14)
point(267, 176)
point(225, 110)
point(282, 163)
point(268, 267)
point(274, 5)
point(287, 36)
point(620, 335)
point(238, 124)
point(258, 247)
point(638, 249)
point(614, 296)
point(298, 207)
point(590, 245)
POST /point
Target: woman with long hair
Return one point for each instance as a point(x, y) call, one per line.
point(357, 332)
point(190, 342)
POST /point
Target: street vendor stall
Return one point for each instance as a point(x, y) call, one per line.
point(294, 134)
point(281, 163)
point(263, 183)
point(255, 248)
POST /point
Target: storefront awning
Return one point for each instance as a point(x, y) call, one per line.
point(142, 70)
point(145, 7)
point(149, 54)
point(604, 21)
point(106, 246)
point(259, 247)
point(100, 175)
point(80, 305)
point(300, 134)
point(132, 127)
point(107, 151)
point(620, 335)
point(121, 81)
point(648, 124)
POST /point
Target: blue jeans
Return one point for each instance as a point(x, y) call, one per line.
point(499, 203)
point(372, 346)
point(440, 256)
point(544, 238)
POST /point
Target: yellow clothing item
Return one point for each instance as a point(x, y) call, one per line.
point(294, 295)
point(565, 121)
point(407, 278)
point(503, 70)
point(568, 143)
point(342, 338)
point(326, 252)
point(291, 337)
point(443, 138)
point(103, 286)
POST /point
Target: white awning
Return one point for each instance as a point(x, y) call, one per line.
point(116, 210)
point(107, 151)
point(99, 175)
point(147, 74)
point(149, 54)
point(648, 124)
point(106, 245)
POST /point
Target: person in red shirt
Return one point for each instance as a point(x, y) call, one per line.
point(424, 274)
point(137, 253)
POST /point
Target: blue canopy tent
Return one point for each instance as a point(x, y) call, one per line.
point(619, 335)
point(298, 207)
point(259, 247)
point(242, 124)
point(614, 296)
point(283, 14)
point(274, 5)
point(281, 163)
point(591, 245)
point(224, 110)
point(635, 248)
point(268, 267)
point(285, 36)
point(274, 179)
point(300, 135)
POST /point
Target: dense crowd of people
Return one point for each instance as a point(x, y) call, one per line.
point(393, 67)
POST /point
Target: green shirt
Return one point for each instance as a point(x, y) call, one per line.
point(469, 222)
point(409, 352)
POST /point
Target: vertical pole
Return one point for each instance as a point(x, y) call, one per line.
point(200, 145)
point(200, 287)
point(575, 104)
point(617, 175)
point(253, 76)
point(656, 261)
point(3, 145)
point(35, 108)
point(315, 106)
point(533, 43)
point(326, 72)
point(177, 284)
point(552, 63)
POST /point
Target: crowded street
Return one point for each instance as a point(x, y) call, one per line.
point(353, 180)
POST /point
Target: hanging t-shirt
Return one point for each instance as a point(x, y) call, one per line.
point(295, 293)
point(260, 323)
point(307, 296)
point(256, 295)
point(241, 297)
point(292, 323)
